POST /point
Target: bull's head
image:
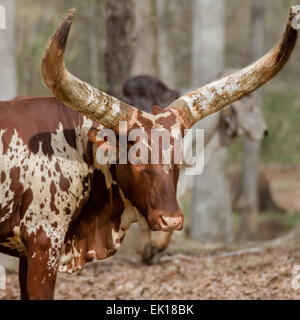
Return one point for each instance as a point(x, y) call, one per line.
point(152, 188)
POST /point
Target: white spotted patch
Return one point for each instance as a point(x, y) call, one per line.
point(69, 258)
point(130, 215)
point(39, 173)
point(7, 162)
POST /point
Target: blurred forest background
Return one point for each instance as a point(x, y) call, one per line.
point(36, 20)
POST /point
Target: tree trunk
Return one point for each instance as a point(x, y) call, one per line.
point(162, 41)
point(211, 205)
point(174, 42)
point(119, 44)
point(8, 88)
point(248, 199)
point(208, 40)
point(93, 38)
point(167, 17)
point(145, 50)
point(211, 212)
point(8, 75)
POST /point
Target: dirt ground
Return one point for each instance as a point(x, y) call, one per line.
point(189, 270)
point(258, 274)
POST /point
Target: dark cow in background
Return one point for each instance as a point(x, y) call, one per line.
point(145, 92)
point(60, 207)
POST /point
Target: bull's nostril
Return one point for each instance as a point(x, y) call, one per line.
point(163, 221)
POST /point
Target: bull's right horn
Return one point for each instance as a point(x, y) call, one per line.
point(77, 94)
point(216, 95)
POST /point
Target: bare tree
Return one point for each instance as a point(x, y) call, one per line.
point(119, 44)
point(93, 38)
point(174, 28)
point(248, 197)
point(211, 211)
point(168, 12)
point(8, 76)
point(211, 204)
point(208, 40)
point(162, 33)
point(145, 60)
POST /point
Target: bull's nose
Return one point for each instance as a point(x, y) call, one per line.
point(171, 222)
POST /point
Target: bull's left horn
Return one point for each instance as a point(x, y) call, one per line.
point(77, 94)
point(216, 95)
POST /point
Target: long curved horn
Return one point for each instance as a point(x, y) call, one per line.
point(211, 98)
point(77, 94)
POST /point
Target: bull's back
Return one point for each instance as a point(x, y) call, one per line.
point(31, 116)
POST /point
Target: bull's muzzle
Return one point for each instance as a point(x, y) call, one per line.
point(169, 223)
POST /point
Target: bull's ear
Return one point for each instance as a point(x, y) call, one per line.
point(157, 110)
